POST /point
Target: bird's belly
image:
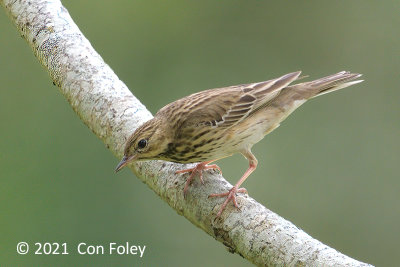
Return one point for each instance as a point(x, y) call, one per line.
point(256, 128)
point(215, 144)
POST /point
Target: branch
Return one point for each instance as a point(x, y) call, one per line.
point(109, 109)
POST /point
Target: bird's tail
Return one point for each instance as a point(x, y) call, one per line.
point(330, 83)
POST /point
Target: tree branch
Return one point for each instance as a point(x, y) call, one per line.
point(109, 109)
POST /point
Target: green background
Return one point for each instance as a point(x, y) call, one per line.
point(331, 168)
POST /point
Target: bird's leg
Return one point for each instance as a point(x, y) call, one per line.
point(198, 169)
point(231, 194)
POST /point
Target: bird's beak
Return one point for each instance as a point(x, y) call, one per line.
point(124, 161)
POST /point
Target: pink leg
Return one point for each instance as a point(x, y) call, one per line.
point(231, 194)
point(198, 169)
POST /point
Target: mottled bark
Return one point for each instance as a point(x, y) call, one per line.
point(109, 109)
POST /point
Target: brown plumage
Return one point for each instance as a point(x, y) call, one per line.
point(217, 123)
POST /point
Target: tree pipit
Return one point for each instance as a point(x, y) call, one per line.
point(217, 123)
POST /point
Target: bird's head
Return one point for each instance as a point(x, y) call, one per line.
point(146, 143)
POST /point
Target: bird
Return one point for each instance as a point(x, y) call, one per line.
point(217, 123)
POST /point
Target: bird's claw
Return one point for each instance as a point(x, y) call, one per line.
point(215, 167)
point(230, 195)
point(197, 169)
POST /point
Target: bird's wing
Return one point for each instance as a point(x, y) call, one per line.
point(224, 107)
point(255, 96)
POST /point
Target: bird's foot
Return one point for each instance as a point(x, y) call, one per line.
point(230, 196)
point(198, 169)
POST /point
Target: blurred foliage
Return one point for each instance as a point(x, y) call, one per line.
point(331, 168)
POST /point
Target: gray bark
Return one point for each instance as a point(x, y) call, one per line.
point(108, 108)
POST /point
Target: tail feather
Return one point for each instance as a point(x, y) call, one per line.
point(295, 95)
point(329, 83)
point(338, 87)
point(334, 82)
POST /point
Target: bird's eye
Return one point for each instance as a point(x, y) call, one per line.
point(142, 144)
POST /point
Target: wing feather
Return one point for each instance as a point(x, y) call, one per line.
point(224, 107)
point(256, 95)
